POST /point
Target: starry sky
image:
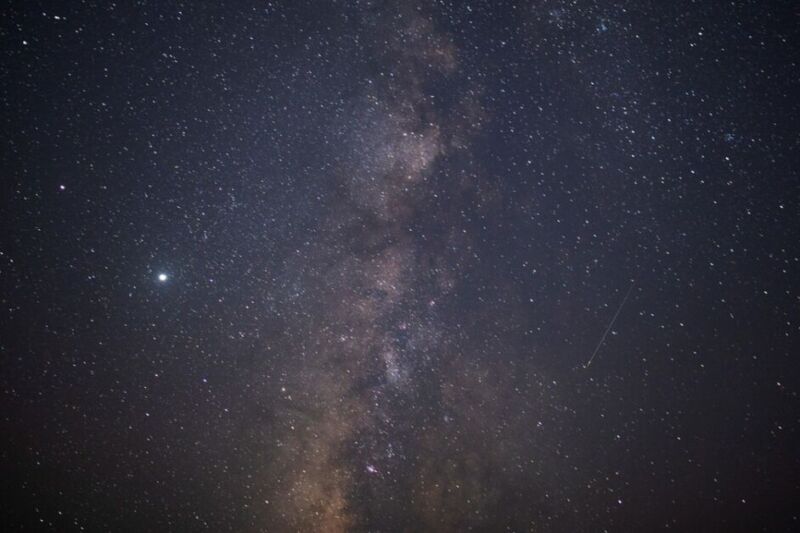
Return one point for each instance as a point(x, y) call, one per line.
point(400, 266)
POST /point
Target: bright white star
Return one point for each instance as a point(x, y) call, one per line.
point(162, 277)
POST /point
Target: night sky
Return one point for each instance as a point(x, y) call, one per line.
point(343, 265)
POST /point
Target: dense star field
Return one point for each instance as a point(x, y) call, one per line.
point(400, 266)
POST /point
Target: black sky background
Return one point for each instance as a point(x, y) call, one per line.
point(393, 234)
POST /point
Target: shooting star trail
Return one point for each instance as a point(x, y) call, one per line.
point(610, 325)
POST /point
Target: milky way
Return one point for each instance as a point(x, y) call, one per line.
point(412, 266)
point(369, 389)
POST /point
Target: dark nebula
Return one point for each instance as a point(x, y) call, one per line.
point(344, 265)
